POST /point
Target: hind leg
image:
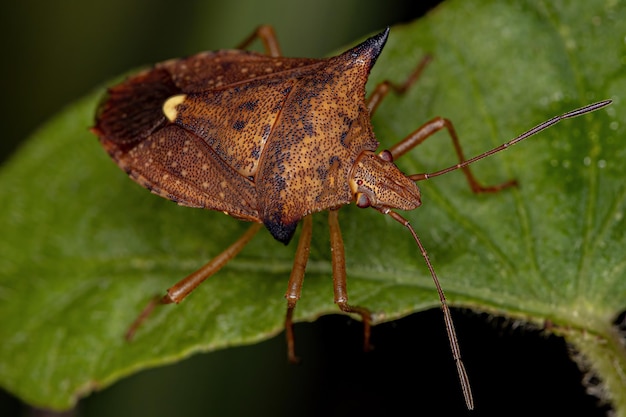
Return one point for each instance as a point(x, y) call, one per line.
point(184, 287)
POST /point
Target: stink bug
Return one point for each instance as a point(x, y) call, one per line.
point(272, 140)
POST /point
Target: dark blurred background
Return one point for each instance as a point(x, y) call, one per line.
point(56, 52)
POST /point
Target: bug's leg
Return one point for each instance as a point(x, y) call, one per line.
point(294, 287)
point(382, 89)
point(339, 277)
point(267, 35)
point(184, 287)
point(438, 123)
point(427, 130)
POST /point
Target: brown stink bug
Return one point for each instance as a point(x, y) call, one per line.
point(272, 140)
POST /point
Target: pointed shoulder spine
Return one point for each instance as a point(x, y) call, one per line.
point(371, 47)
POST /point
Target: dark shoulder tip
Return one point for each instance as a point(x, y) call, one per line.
point(369, 49)
point(377, 42)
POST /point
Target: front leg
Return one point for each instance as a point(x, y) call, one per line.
point(426, 131)
point(339, 278)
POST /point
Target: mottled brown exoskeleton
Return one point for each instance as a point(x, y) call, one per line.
point(273, 140)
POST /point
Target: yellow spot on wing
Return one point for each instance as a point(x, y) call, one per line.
point(169, 106)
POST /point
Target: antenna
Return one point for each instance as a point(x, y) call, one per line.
point(454, 344)
point(541, 126)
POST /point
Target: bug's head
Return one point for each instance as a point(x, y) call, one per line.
point(377, 182)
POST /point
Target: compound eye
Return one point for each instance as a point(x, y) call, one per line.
point(386, 156)
point(362, 200)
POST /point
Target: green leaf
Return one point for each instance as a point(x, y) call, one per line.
point(84, 248)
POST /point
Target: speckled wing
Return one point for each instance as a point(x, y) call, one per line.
point(207, 154)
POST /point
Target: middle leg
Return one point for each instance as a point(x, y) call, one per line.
point(294, 287)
